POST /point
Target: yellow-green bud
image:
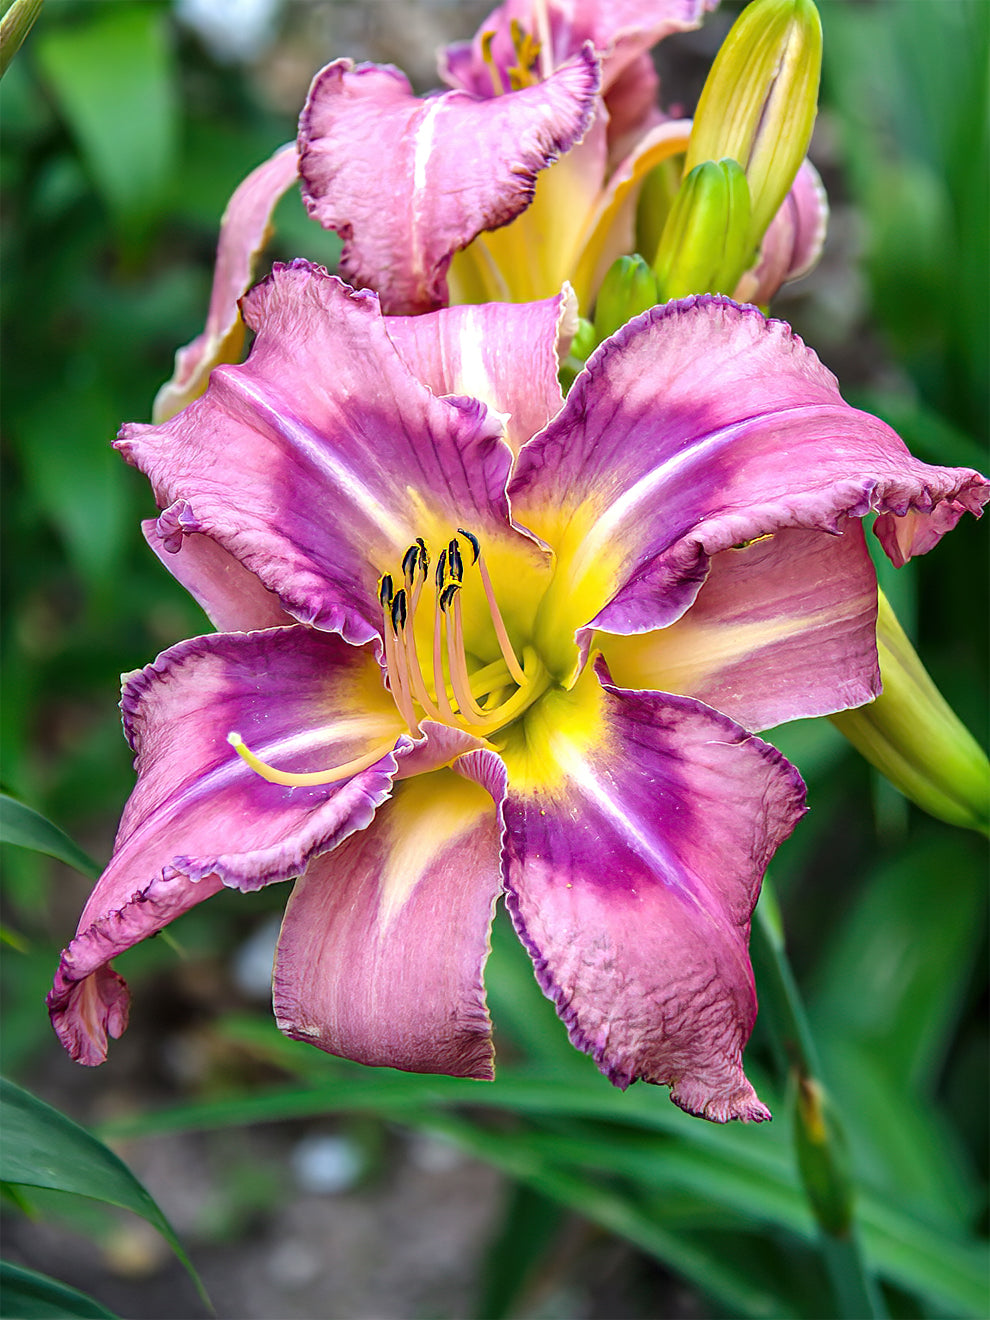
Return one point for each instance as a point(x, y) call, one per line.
point(915, 739)
point(704, 247)
point(822, 1158)
point(629, 287)
point(760, 99)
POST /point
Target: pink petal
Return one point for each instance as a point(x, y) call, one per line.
point(316, 462)
point(233, 599)
point(408, 182)
point(507, 356)
point(620, 31)
point(699, 426)
point(243, 232)
point(199, 818)
point(794, 241)
point(631, 878)
point(782, 630)
point(384, 944)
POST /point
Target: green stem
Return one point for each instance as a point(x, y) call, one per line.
point(820, 1143)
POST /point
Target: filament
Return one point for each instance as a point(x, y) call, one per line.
point(331, 776)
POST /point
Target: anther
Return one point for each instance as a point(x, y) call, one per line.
point(475, 543)
point(424, 556)
point(385, 591)
point(448, 594)
point(410, 562)
point(441, 574)
point(398, 609)
point(455, 562)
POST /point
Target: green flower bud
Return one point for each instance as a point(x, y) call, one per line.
point(705, 247)
point(915, 739)
point(760, 99)
point(822, 1158)
point(629, 287)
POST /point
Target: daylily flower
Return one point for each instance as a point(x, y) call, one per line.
point(426, 222)
point(557, 103)
point(576, 606)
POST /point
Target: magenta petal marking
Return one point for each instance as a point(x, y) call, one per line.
point(411, 195)
point(702, 425)
point(383, 945)
point(199, 817)
point(502, 353)
point(242, 236)
point(234, 599)
point(313, 462)
point(632, 884)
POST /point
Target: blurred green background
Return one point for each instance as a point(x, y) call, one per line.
point(125, 130)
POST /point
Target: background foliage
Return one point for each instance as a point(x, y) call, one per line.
point(123, 136)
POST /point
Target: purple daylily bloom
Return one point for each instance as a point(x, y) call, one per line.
point(557, 593)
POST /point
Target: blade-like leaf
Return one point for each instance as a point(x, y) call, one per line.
point(25, 1295)
point(43, 1148)
point(27, 828)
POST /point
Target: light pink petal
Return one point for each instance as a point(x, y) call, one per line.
point(507, 355)
point(384, 943)
point(408, 182)
point(199, 817)
point(783, 629)
point(620, 31)
point(632, 872)
point(243, 232)
point(233, 599)
point(793, 243)
point(320, 459)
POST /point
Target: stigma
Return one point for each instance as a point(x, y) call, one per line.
point(429, 671)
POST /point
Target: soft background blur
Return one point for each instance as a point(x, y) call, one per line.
point(126, 125)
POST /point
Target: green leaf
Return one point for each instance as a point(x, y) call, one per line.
point(113, 76)
point(44, 1148)
point(25, 1295)
point(530, 1228)
point(26, 828)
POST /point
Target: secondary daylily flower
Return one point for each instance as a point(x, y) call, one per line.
point(524, 176)
point(576, 606)
point(500, 220)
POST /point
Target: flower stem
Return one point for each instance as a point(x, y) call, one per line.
point(820, 1145)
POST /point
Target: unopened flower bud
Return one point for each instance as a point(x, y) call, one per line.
point(822, 1158)
point(629, 287)
point(915, 739)
point(760, 99)
point(705, 245)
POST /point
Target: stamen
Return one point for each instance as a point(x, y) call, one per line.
point(410, 562)
point(450, 604)
point(331, 776)
point(473, 542)
point(505, 646)
point(394, 661)
point(454, 561)
point(488, 58)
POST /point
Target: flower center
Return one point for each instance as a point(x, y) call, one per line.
point(452, 687)
point(527, 52)
point(431, 674)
